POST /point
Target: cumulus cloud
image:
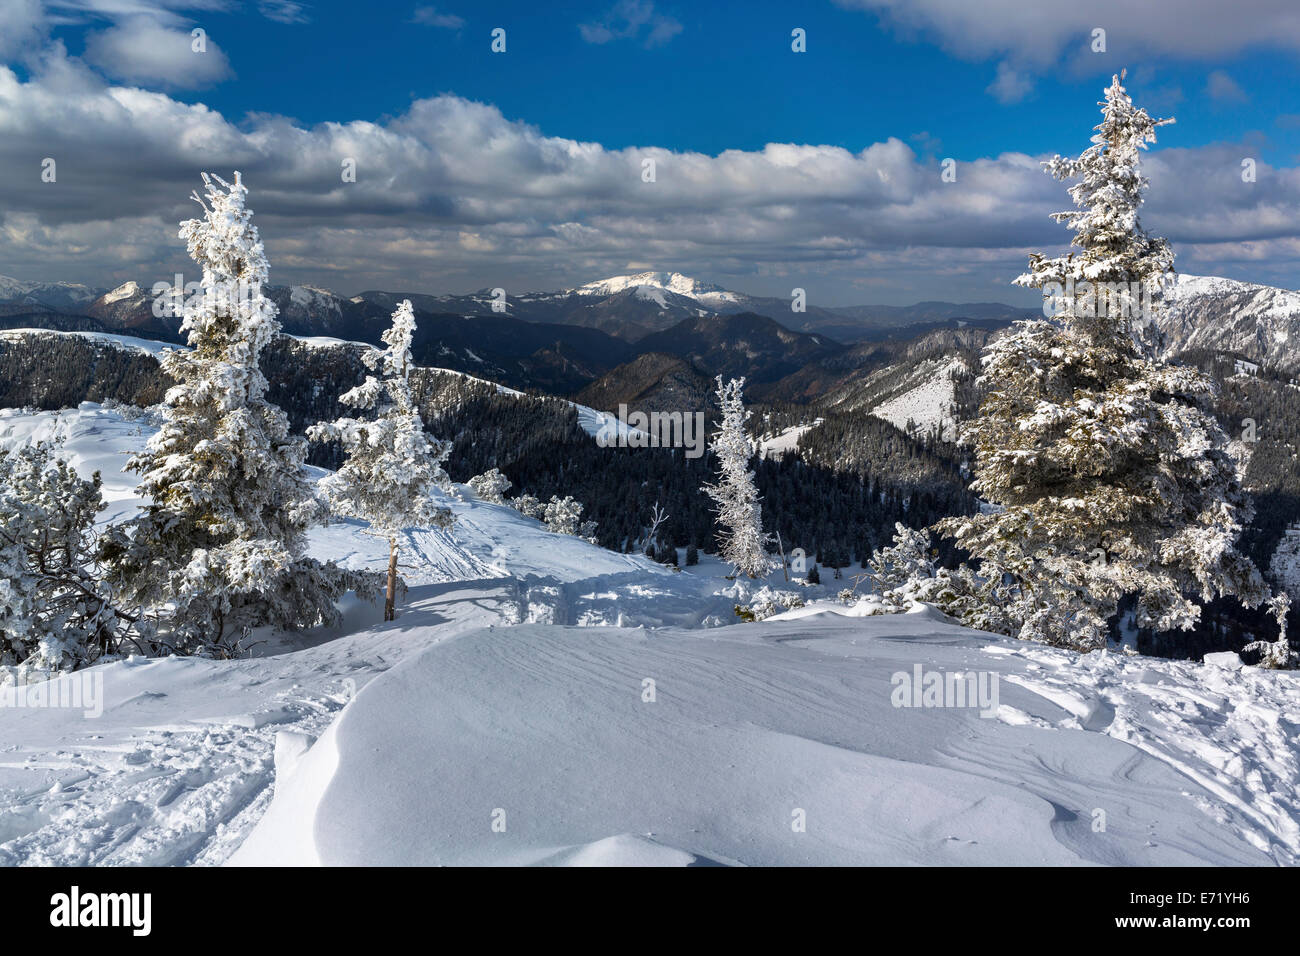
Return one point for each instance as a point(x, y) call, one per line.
point(141, 50)
point(451, 195)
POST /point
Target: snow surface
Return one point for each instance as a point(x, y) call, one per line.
point(927, 405)
point(511, 689)
point(788, 440)
point(149, 346)
point(590, 420)
point(647, 282)
point(752, 724)
point(126, 290)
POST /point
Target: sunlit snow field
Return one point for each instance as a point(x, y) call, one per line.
point(540, 700)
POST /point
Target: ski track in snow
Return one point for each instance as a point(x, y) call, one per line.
point(1224, 728)
point(131, 791)
point(1192, 762)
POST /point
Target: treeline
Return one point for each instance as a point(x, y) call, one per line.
point(61, 371)
point(836, 508)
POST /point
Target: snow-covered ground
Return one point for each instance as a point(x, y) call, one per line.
point(590, 420)
point(928, 405)
point(788, 440)
point(149, 346)
point(541, 700)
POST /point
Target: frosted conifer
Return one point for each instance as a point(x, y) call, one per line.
point(55, 612)
point(738, 507)
point(491, 486)
point(393, 474)
point(1107, 473)
point(219, 546)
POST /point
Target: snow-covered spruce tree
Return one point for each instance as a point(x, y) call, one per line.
point(1108, 475)
point(907, 572)
point(491, 486)
point(564, 516)
point(393, 473)
point(528, 505)
point(219, 548)
point(738, 507)
point(55, 612)
point(1277, 655)
point(1285, 563)
point(905, 561)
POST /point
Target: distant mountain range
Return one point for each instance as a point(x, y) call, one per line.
point(56, 296)
point(630, 307)
point(559, 342)
point(613, 336)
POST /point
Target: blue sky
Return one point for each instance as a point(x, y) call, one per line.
point(727, 80)
point(417, 91)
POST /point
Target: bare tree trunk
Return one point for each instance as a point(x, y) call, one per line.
point(392, 580)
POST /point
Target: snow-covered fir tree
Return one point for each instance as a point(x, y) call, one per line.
point(1276, 654)
point(491, 486)
point(907, 572)
point(738, 507)
point(564, 516)
point(393, 474)
point(530, 506)
point(55, 612)
point(219, 547)
point(906, 560)
point(1285, 563)
point(1107, 474)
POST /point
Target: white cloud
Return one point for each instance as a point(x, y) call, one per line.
point(22, 24)
point(140, 50)
point(629, 19)
point(162, 12)
point(452, 195)
point(1223, 89)
point(430, 17)
point(283, 11)
point(1040, 35)
point(1011, 85)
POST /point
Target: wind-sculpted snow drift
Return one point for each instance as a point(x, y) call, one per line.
point(540, 700)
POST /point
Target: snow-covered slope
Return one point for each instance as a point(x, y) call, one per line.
point(673, 282)
point(925, 407)
point(148, 346)
point(916, 393)
point(1258, 321)
point(512, 689)
point(590, 420)
point(787, 440)
point(755, 728)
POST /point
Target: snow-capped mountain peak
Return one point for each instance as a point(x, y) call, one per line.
point(1259, 322)
point(126, 290)
point(673, 282)
point(311, 297)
